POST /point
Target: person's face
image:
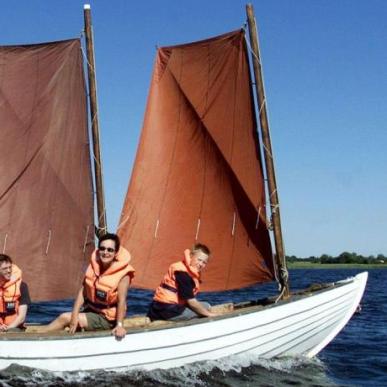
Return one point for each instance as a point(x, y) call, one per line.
point(107, 252)
point(5, 270)
point(199, 261)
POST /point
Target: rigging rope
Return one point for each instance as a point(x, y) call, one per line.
point(93, 119)
point(5, 242)
point(284, 276)
point(86, 235)
point(48, 241)
point(283, 272)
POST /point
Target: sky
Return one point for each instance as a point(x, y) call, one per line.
point(325, 71)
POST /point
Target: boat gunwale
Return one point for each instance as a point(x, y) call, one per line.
point(164, 325)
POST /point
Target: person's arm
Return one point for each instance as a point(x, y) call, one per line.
point(198, 308)
point(75, 312)
point(21, 316)
point(185, 290)
point(122, 291)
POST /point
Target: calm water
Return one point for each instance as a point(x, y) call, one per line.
point(357, 357)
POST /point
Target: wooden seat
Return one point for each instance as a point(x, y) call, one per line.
point(136, 321)
point(222, 308)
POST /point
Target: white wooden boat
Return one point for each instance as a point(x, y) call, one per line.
point(210, 145)
point(302, 326)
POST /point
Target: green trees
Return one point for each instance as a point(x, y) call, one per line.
point(344, 257)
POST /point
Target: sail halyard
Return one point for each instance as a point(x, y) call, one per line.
point(98, 171)
point(197, 174)
point(268, 154)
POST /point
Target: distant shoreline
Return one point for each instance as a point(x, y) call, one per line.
point(311, 265)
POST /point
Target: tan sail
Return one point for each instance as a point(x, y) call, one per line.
point(46, 200)
point(197, 174)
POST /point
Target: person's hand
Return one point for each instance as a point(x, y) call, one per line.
point(119, 331)
point(73, 324)
point(3, 328)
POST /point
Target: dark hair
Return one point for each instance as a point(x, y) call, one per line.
point(113, 237)
point(5, 258)
point(200, 247)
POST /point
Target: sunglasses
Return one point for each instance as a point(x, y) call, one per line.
point(108, 249)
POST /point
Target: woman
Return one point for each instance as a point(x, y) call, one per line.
point(103, 293)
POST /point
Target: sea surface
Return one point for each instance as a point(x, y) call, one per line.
point(356, 357)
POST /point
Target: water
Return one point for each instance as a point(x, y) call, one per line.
point(357, 357)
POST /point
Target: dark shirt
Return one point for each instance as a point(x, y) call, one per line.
point(163, 311)
point(24, 294)
point(185, 285)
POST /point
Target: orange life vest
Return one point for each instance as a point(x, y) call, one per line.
point(10, 297)
point(167, 291)
point(100, 289)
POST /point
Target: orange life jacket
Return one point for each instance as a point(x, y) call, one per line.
point(167, 291)
point(100, 289)
point(10, 297)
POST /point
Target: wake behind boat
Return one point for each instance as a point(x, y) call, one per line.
point(199, 175)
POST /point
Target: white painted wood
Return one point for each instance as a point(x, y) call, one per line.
point(301, 327)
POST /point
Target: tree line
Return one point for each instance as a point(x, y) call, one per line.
point(344, 257)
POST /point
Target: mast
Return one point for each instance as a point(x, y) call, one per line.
point(102, 226)
point(268, 154)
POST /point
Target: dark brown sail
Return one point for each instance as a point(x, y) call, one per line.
point(46, 199)
point(198, 174)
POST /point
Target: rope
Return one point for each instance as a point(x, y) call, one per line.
point(123, 222)
point(100, 228)
point(197, 230)
point(251, 50)
point(93, 120)
point(263, 105)
point(258, 217)
point(86, 59)
point(48, 241)
point(157, 228)
point(284, 276)
point(233, 225)
point(267, 151)
point(5, 243)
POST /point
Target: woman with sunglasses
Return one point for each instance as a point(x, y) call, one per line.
point(103, 293)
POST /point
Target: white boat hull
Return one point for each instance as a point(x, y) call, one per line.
point(302, 327)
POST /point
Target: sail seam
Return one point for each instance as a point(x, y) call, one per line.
point(169, 172)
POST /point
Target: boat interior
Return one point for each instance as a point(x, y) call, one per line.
point(141, 322)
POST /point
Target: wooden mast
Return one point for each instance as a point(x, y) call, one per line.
point(102, 226)
point(268, 154)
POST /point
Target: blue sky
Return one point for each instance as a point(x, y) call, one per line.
point(325, 71)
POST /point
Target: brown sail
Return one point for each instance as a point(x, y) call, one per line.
point(46, 199)
point(198, 174)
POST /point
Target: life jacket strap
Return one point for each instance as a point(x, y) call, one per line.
point(97, 305)
point(6, 314)
point(170, 288)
